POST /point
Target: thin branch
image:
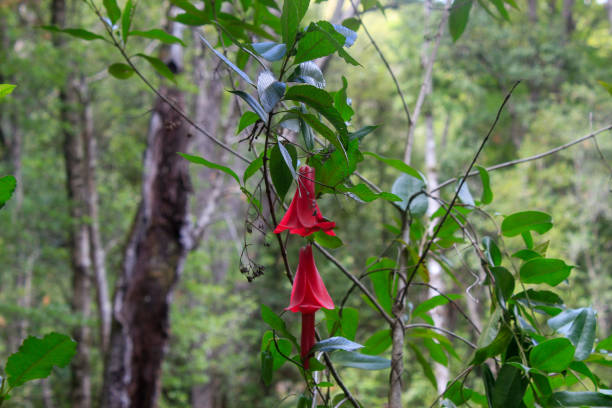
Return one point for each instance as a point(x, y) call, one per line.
point(530, 158)
point(441, 329)
point(454, 200)
point(334, 373)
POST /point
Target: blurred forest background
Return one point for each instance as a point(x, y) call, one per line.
point(70, 127)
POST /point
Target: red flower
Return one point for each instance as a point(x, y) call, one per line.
point(303, 216)
point(307, 296)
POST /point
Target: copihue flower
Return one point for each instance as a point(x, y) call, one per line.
point(303, 216)
point(307, 296)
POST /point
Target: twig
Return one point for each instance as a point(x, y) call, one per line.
point(334, 373)
point(454, 200)
point(530, 158)
point(441, 329)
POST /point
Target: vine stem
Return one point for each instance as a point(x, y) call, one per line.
point(454, 200)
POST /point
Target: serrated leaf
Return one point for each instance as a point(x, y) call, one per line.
point(159, 66)
point(120, 71)
point(157, 34)
point(204, 162)
point(37, 357)
point(270, 50)
point(336, 343)
point(228, 62)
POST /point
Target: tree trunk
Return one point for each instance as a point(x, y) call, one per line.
point(533, 11)
point(568, 17)
point(153, 259)
point(609, 7)
point(76, 184)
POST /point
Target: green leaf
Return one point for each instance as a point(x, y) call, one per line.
point(411, 190)
point(8, 184)
point(252, 168)
point(267, 367)
point(322, 102)
point(6, 89)
point(459, 15)
point(553, 355)
point(159, 66)
point(75, 32)
point(279, 358)
point(270, 90)
point(545, 270)
point(292, 14)
point(281, 175)
point(464, 194)
point(578, 325)
point(341, 102)
point(363, 193)
point(349, 321)
point(361, 133)
point(321, 129)
point(379, 274)
point(37, 357)
point(489, 383)
point(247, 119)
point(113, 11)
point(336, 343)
point(605, 344)
point(458, 393)
point(126, 21)
point(289, 159)
point(327, 241)
point(517, 223)
point(157, 34)
point(580, 399)
point(491, 251)
point(499, 4)
point(424, 365)
point(377, 343)
point(332, 169)
point(270, 50)
point(436, 351)
point(204, 162)
point(496, 347)
point(432, 303)
point(526, 254)
point(308, 73)
point(362, 361)
point(322, 39)
point(504, 284)
point(607, 86)
point(120, 71)
point(276, 323)
point(509, 388)
point(396, 164)
point(487, 193)
point(229, 63)
point(257, 108)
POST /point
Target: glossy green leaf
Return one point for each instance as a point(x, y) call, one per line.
point(291, 15)
point(504, 283)
point(252, 168)
point(494, 348)
point(489, 383)
point(361, 133)
point(553, 355)
point(321, 40)
point(459, 15)
point(378, 342)
point(526, 254)
point(157, 34)
point(509, 388)
point(349, 321)
point(518, 223)
point(411, 190)
point(327, 241)
point(204, 162)
point(533, 297)
point(427, 370)
point(336, 343)
point(120, 71)
point(8, 184)
point(332, 169)
point(363, 193)
point(229, 63)
point(281, 352)
point(358, 360)
point(607, 86)
point(126, 20)
point(436, 351)
point(270, 50)
point(379, 273)
point(37, 357)
point(75, 32)
point(491, 251)
point(267, 367)
point(113, 10)
point(281, 175)
point(247, 119)
point(501, 8)
point(432, 303)
point(580, 399)
point(545, 270)
point(396, 164)
point(322, 129)
point(487, 193)
point(159, 66)
point(257, 108)
point(341, 102)
point(276, 323)
point(578, 325)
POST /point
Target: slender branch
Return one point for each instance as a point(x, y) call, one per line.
point(530, 158)
point(334, 373)
point(356, 282)
point(441, 329)
point(454, 200)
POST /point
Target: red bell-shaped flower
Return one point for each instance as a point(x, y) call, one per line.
point(307, 296)
point(303, 216)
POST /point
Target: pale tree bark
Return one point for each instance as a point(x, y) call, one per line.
point(154, 257)
point(76, 184)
